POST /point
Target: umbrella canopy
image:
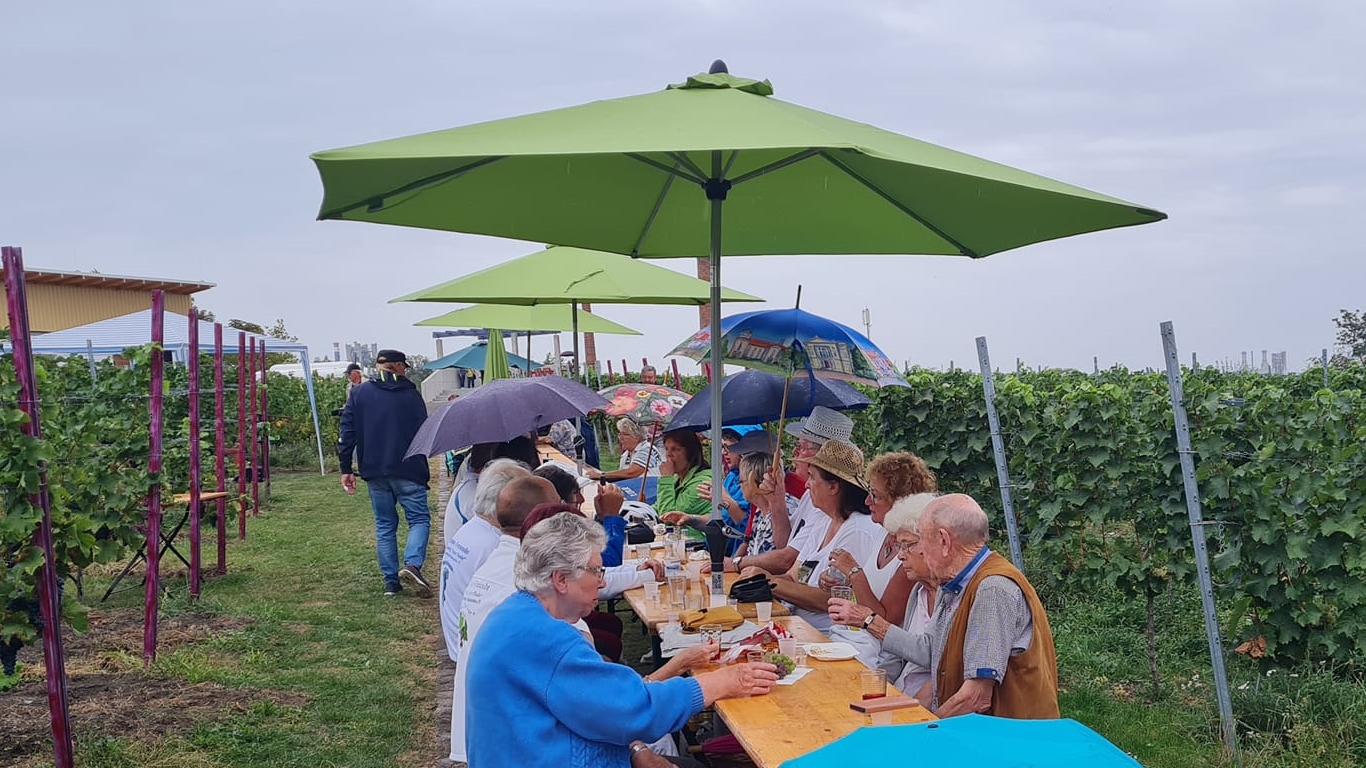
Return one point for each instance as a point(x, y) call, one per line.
point(975, 740)
point(644, 403)
point(751, 397)
point(651, 176)
point(562, 275)
point(501, 410)
point(475, 356)
point(788, 341)
point(496, 362)
point(539, 317)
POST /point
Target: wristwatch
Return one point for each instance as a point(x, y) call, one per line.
point(737, 560)
point(855, 570)
point(868, 622)
point(639, 746)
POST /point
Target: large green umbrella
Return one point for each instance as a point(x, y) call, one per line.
point(651, 175)
point(537, 317)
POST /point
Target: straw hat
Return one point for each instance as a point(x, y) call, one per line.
point(823, 424)
point(841, 459)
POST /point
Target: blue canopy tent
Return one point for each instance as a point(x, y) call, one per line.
point(474, 357)
point(112, 336)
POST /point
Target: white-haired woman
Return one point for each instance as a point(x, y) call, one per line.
point(904, 654)
point(545, 697)
point(639, 455)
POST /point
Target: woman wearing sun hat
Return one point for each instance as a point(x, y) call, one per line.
point(835, 482)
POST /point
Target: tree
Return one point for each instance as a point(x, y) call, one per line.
point(204, 314)
point(1351, 339)
point(277, 331)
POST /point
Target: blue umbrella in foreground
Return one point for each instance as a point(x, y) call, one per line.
point(974, 740)
point(501, 410)
point(751, 397)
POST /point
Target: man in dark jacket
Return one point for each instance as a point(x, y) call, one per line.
point(379, 420)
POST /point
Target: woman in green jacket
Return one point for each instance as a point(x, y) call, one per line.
point(684, 468)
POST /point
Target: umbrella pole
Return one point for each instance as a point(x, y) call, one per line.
point(578, 424)
point(782, 410)
point(649, 456)
point(716, 189)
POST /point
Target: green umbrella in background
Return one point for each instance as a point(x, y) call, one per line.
point(538, 317)
point(496, 364)
point(573, 276)
point(652, 175)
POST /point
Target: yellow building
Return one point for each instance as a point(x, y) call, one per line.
point(60, 300)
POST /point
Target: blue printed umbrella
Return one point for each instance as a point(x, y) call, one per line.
point(974, 740)
point(788, 341)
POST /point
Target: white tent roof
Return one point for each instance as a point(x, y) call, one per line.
point(112, 336)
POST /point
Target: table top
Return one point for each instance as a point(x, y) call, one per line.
point(654, 614)
point(796, 719)
point(184, 498)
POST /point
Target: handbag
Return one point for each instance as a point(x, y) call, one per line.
point(724, 615)
point(639, 533)
point(755, 589)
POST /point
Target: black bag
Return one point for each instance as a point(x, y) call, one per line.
point(639, 533)
point(755, 589)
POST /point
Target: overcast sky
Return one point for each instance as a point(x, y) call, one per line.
point(171, 139)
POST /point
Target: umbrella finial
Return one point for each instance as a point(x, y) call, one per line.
point(718, 67)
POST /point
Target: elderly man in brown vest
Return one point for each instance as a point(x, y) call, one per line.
point(991, 646)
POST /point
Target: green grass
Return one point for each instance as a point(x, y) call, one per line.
point(360, 665)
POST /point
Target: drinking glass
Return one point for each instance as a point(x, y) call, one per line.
point(874, 683)
point(763, 612)
point(845, 593)
point(754, 656)
point(678, 591)
point(652, 591)
point(787, 646)
point(711, 635)
point(799, 655)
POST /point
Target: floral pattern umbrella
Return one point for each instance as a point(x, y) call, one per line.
point(644, 403)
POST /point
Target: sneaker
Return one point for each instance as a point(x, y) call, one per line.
point(411, 577)
point(392, 589)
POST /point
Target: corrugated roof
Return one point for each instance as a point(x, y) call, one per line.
point(120, 282)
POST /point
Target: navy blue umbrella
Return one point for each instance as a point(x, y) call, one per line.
point(501, 410)
point(752, 397)
point(974, 740)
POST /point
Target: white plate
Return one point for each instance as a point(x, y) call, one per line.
point(831, 651)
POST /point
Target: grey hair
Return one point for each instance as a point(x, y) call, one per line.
point(906, 511)
point(557, 543)
point(492, 479)
point(631, 427)
point(962, 516)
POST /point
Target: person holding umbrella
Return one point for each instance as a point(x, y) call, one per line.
point(380, 419)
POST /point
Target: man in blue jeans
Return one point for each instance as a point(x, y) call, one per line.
point(379, 420)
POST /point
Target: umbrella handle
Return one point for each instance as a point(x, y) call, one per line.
point(649, 454)
point(782, 414)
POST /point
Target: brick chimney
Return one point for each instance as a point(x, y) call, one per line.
point(590, 347)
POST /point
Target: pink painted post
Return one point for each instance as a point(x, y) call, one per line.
point(242, 375)
point(194, 454)
point(54, 657)
point(154, 406)
point(624, 369)
point(220, 463)
point(677, 379)
point(265, 419)
point(706, 371)
point(255, 448)
point(611, 377)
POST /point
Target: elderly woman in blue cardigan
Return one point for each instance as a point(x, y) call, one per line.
point(537, 692)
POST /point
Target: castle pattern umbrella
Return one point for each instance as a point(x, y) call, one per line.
point(651, 175)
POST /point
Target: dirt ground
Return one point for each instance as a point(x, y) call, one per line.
point(111, 695)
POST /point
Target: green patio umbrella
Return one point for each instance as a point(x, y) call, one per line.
point(496, 364)
point(537, 317)
point(572, 276)
point(651, 176)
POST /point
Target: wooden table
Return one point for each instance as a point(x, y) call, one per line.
point(796, 719)
point(652, 615)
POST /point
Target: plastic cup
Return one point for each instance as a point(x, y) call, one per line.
point(873, 682)
point(718, 599)
point(652, 591)
point(671, 619)
point(787, 646)
point(732, 602)
point(764, 612)
point(799, 655)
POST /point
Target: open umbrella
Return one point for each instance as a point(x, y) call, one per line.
point(651, 176)
point(537, 318)
point(474, 356)
point(501, 410)
point(751, 397)
point(789, 341)
point(974, 740)
point(644, 403)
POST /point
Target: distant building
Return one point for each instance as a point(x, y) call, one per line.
point(60, 300)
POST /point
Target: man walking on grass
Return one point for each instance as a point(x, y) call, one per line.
point(379, 420)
